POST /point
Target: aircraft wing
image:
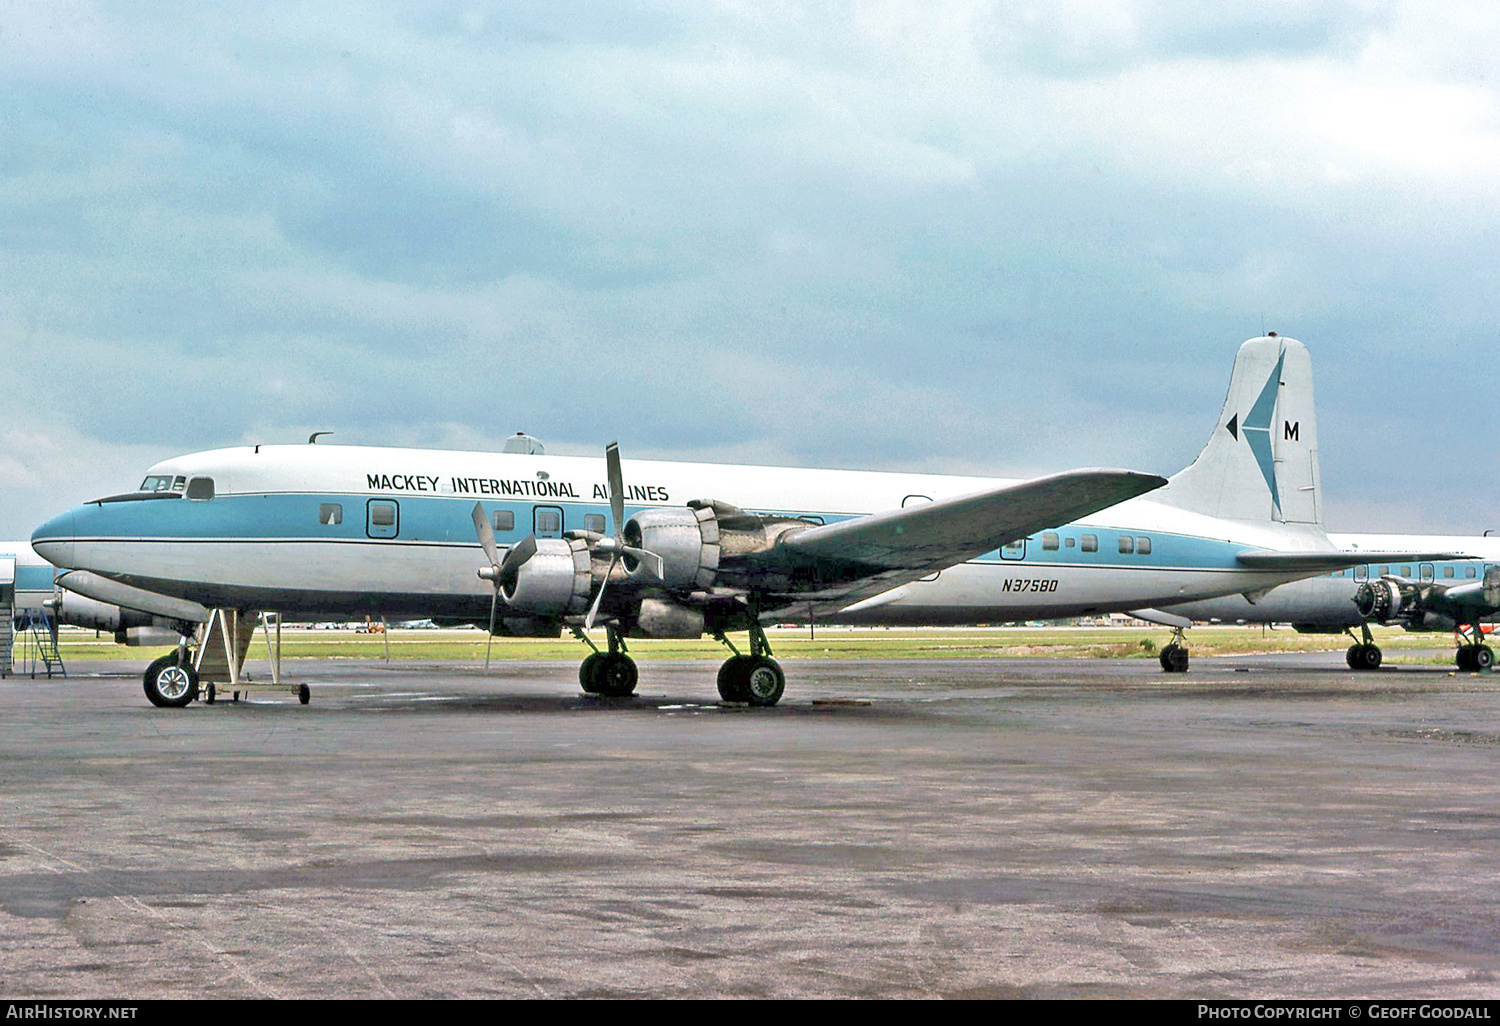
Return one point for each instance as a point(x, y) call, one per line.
point(940, 534)
point(1324, 560)
point(827, 568)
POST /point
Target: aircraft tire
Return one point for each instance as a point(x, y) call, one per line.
point(1464, 657)
point(734, 682)
point(588, 673)
point(1370, 657)
point(616, 676)
point(304, 694)
point(1352, 657)
point(765, 682)
point(1174, 659)
point(169, 685)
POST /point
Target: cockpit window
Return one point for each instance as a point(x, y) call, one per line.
point(162, 483)
point(200, 488)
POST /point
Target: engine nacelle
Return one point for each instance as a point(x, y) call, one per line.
point(687, 540)
point(1385, 601)
point(703, 545)
point(556, 581)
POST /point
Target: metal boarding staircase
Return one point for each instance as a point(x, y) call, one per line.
point(38, 649)
point(7, 637)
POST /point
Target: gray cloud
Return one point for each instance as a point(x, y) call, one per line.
point(963, 236)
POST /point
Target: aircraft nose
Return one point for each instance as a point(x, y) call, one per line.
point(53, 541)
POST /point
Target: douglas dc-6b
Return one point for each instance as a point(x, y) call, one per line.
point(530, 543)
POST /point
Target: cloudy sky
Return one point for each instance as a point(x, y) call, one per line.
point(950, 236)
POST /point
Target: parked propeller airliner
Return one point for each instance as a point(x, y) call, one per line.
point(1417, 595)
point(531, 543)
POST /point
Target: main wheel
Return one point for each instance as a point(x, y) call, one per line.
point(169, 684)
point(1464, 657)
point(734, 685)
point(1352, 657)
point(764, 681)
point(1370, 657)
point(588, 672)
point(1174, 658)
point(1484, 657)
point(616, 675)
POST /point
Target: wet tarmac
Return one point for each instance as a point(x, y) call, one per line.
point(1262, 827)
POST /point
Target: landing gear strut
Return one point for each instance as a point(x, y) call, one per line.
point(1474, 654)
point(1363, 654)
point(755, 679)
point(612, 674)
point(1174, 654)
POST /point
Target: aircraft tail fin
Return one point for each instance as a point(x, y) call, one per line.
point(1261, 462)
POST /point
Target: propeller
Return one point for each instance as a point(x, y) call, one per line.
point(615, 546)
point(498, 568)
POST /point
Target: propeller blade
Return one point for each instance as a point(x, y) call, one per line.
point(486, 534)
point(588, 621)
point(490, 637)
point(651, 559)
point(616, 487)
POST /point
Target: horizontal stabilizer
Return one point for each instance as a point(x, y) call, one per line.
point(1324, 560)
point(949, 531)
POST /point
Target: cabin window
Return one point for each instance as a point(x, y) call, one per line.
point(1143, 546)
point(1090, 543)
point(1127, 543)
point(383, 514)
point(1068, 543)
point(503, 519)
point(1406, 571)
point(1447, 571)
point(1049, 541)
point(1015, 550)
point(1385, 571)
point(1470, 572)
point(200, 488)
point(1361, 573)
point(593, 522)
point(330, 513)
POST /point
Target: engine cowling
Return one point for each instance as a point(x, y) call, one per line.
point(703, 545)
point(556, 581)
point(687, 540)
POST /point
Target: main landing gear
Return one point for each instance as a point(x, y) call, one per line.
point(612, 674)
point(1364, 654)
point(1174, 654)
point(1474, 654)
point(755, 679)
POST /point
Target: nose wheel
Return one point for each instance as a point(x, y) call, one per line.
point(171, 682)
